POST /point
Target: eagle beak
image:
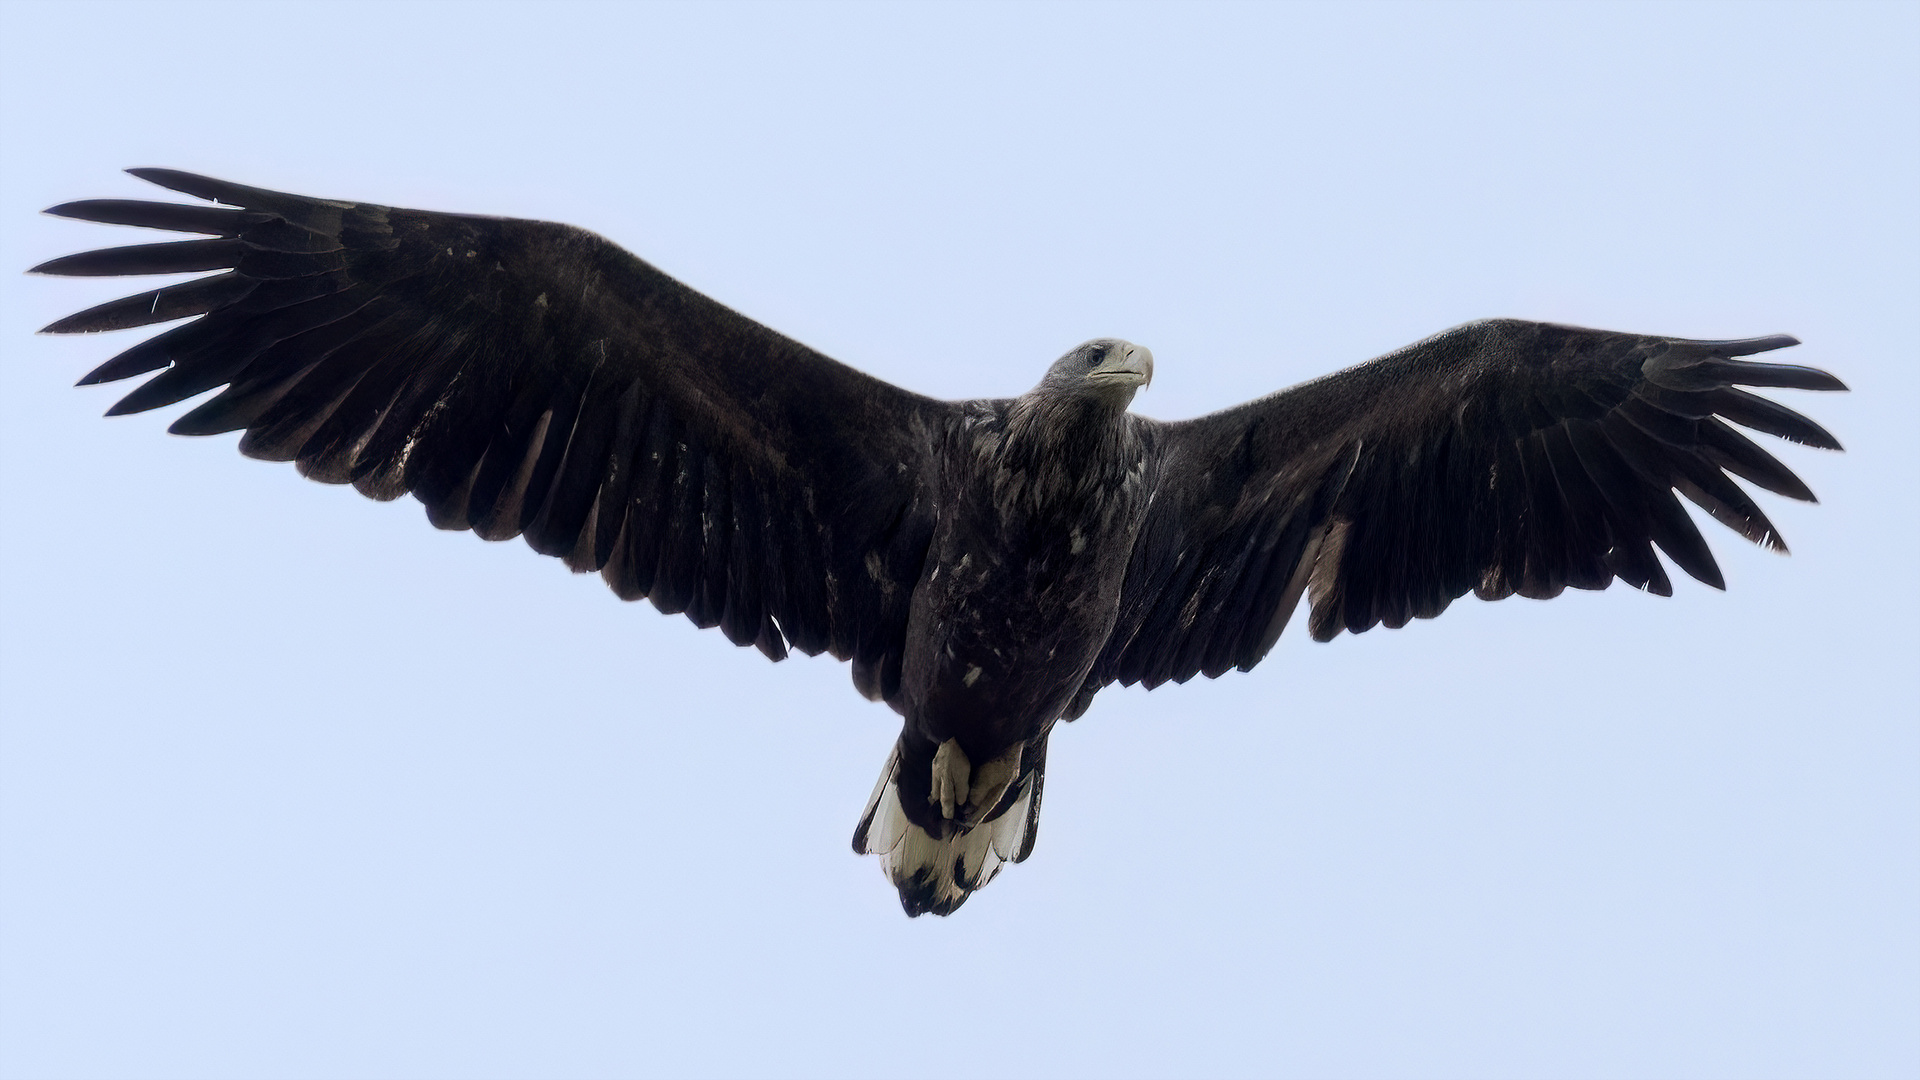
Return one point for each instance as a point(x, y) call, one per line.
point(1131, 366)
point(1140, 359)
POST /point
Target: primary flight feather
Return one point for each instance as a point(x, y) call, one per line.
point(986, 566)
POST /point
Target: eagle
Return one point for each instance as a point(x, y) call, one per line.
point(985, 566)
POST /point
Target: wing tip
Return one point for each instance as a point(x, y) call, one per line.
point(1708, 573)
point(126, 406)
point(1768, 343)
point(1721, 363)
point(72, 209)
point(153, 175)
point(1794, 377)
point(186, 183)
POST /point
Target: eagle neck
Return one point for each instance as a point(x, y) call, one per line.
point(1056, 446)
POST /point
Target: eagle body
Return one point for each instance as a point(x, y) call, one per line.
point(1038, 506)
point(986, 567)
point(1027, 558)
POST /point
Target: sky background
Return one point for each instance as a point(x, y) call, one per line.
point(293, 785)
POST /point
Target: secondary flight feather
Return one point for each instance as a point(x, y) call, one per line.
point(985, 566)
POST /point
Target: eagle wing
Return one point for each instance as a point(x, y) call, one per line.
point(1495, 458)
point(527, 378)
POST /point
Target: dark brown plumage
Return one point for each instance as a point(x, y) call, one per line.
point(986, 566)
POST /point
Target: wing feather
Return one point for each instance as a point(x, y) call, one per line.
point(524, 378)
point(174, 217)
point(1500, 457)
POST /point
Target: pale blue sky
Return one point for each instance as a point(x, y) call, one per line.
point(293, 785)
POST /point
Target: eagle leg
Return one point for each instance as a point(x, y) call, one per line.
point(951, 771)
point(990, 783)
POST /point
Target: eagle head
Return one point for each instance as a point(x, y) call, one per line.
point(1105, 369)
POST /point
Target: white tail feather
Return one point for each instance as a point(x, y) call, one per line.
point(937, 874)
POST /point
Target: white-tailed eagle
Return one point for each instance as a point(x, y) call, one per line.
point(986, 566)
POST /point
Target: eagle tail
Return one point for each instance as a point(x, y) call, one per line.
point(937, 873)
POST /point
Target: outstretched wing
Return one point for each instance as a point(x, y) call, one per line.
point(526, 378)
point(1498, 457)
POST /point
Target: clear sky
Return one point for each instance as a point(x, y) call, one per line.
point(293, 785)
